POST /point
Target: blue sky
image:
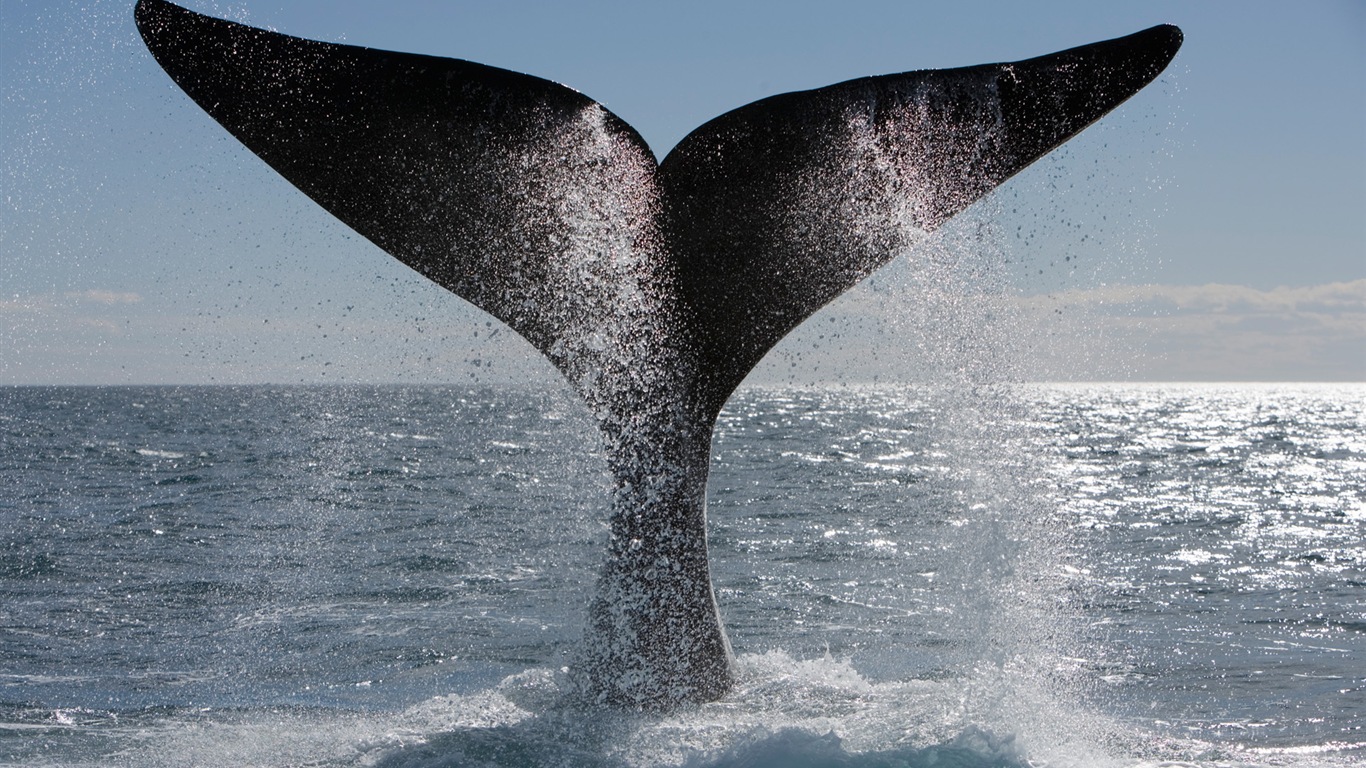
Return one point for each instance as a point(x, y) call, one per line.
point(1212, 228)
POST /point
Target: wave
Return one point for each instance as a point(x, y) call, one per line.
point(788, 713)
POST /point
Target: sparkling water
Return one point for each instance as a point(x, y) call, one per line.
point(397, 576)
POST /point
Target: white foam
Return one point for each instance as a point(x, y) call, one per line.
point(784, 711)
point(155, 454)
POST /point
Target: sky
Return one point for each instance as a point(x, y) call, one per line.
point(1213, 228)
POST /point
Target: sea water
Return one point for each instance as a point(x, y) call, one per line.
point(911, 576)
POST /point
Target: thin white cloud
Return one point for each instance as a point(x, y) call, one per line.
point(1334, 298)
point(99, 296)
point(25, 304)
point(41, 303)
point(1215, 331)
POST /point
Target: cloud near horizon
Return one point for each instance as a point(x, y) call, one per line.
point(1222, 331)
point(1330, 298)
point(41, 303)
point(72, 337)
point(99, 296)
point(1215, 332)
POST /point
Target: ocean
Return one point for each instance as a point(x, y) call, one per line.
point(1060, 575)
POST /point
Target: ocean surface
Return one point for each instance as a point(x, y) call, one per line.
point(1079, 575)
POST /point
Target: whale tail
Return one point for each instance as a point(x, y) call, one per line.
point(508, 190)
point(653, 287)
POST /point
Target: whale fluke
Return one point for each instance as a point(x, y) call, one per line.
point(780, 206)
point(653, 287)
